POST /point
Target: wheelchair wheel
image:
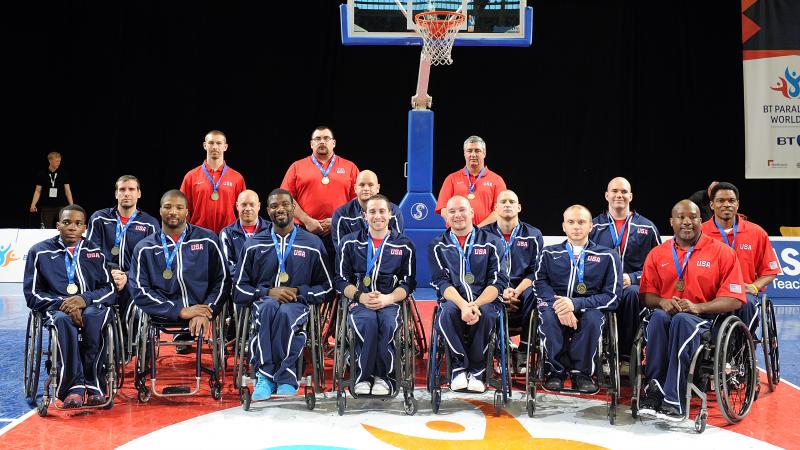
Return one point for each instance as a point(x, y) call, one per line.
point(42, 409)
point(735, 375)
point(216, 391)
point(240, 353)
point(635, 373)
point(33, 357)
point(498, 402)
point(418, 334)
point(143, 395)
point(341, 402)
point(612, 359)
point(410, 404)
point(769, 343)
point(244, 397)
point(531, 365)
point(700, 422)
point(436, 400)
point(311, 399)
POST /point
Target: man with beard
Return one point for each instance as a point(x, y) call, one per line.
point(755, 254)
point(67, 281)
point(211, 189)
point(687, 281)
point(281, 274)
point(319, 184)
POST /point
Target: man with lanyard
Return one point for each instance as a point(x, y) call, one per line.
point(249, 223)
point(319, 184)
point(211, 188)
point(632, 236)
point(350, 216)
point(57, 192)
point(686, 281)
point(66, 279)
point(117, 230)
point(281, 273)
point(475, 182)
point(468, 274)
point(521, 253)
point(375, 269)
point(757, 258)
point(179, 274)
point(575, 282)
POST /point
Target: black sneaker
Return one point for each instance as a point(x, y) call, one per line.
point(520, 360)
point(554, 382)
point(583, 383)
point(650, 403)
point(670, 412)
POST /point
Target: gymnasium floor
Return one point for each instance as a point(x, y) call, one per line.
point(464, 422)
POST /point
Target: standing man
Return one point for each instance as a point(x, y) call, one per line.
point(576, 281)
point(67, 281)
point(632, 236)
point(179, 274)
point(249, 223)
point(319, 184)
point(687, 281)
point(476, 182)
point(467, 271)
point(375, 269)
point(757, 259)
point(522, 244)
point(350, 216)
point(57, 193)
point(211, 189)
point(117, 230)
point(281, 273)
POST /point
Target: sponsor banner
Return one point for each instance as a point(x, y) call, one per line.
point(787, 284)
point(14, 246)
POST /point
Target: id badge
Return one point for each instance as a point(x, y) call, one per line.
point(53, 192)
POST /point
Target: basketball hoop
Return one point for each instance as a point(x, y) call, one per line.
point(438, 30)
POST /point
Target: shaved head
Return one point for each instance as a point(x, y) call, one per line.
point(578, 209)
point(366, 186)
point(686, 222)
point(248, 206)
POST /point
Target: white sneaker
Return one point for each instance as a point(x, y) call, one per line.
point(460, 382)
point(380, 387)
point(362, 388)
point(475, 385)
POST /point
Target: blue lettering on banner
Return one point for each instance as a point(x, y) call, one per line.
point(787, 284)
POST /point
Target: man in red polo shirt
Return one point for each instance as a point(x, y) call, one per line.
point(212, 188)
point(476, 182)
point(687, 281)
point(319, 184)
point(757, 258)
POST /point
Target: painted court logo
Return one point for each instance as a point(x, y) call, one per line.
point(789, 84)
point(7, 255)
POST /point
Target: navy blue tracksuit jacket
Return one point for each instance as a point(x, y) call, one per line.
point(349, 218)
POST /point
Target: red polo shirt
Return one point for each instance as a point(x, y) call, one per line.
point(486, 191)
point(753, 248)
point(207, 213)
point(304, 181)
point(712, 271)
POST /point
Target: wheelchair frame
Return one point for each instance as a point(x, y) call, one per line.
point(606, 362)
point(769, 342)
point(404, 344)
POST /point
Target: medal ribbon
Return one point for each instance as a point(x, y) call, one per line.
point(612, 228)
point(283, 253)
point(678, 268)
point(471, 184)
point(581, 261)
point(120, 229)
point(167, 256)
point(319, 166)
point(71, 262)
point(470, 242)
point(208, 175)
point(373, 253)
point(731, 244)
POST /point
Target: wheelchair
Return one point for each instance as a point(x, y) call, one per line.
point(724, 362)
point(113, 360)
point(769, 341)
point(244, 372)
point(606, 361)
point(345, 359)
point(148, 351)
point(439, 370)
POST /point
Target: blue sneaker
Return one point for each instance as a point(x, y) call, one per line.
point(264, 388)
point(286, 390)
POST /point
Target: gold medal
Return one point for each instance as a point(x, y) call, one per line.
point(167, 274)
point(471, 196)
point(366, 281)
point(115, 250)
point(283, 277)
point(326, 180)
point(580, 288)
point(679, 285)
point(469, 278)
point(215, 196)
point(72, 289)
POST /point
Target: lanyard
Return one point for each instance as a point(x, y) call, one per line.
point(616, 239)
point(282, 254)
point(120, 229)
point(167, 256)
point(471, 184)
point(581, 261)
point(52, 177)
point(470, 243)
point(678, 267)
point(208, 175)
point(71, 262)
point(373, 253)
point(319, 166)
point(731, 244)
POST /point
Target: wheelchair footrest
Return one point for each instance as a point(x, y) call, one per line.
point(176, 390)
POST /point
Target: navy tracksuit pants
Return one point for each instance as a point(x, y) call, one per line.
point(568, 350)
point(750, 313)
point(279, 339)
point(629, 318)
point(374, 341)
point(469, 355)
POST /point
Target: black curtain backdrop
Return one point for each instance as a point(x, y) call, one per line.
point(649, 91)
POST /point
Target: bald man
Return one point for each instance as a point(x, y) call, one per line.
point(248, 224)
point(467, 272)
point(687, 281)
point(350, 217)
point(632, 236)
point(576, 281)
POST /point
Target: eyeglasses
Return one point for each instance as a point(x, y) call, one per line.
point(322, 139)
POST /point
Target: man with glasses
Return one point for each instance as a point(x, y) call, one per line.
point(319, 184)
point(475, 182)
point(211, 189)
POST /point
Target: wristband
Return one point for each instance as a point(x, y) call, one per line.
point(755, 288)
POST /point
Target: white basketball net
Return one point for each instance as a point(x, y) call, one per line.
point(438, 30)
